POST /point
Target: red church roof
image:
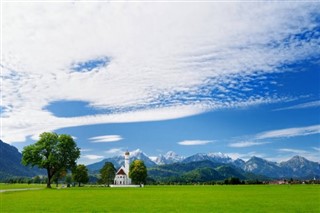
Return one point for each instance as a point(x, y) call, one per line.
point(121, 172)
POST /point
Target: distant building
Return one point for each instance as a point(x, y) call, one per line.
point(122, 175)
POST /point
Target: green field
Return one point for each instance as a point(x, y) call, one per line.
point(218, 198)
point(4, 186)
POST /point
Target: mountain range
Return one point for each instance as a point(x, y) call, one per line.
point(171, 164)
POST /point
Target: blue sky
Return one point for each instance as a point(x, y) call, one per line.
point(237, 78)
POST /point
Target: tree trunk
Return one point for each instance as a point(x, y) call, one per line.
point(49, 178)
point(79, 184)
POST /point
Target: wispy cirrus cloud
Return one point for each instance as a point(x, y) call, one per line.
point(194, 142)
point(93, 157)
point(246, 144)
point(289, 132)
point(296, 151)
point(317, 148)
point(208, 60)
point(105, 139)
point(85, 150)
point(301, 106)
point(258, 139)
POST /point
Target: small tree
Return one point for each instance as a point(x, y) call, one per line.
point(58, 176)
point(232, 181)
point(51, 152)
point(138, 172)
point(107, 173)
point(68, 180)
point(80, 174)
point(37, 179)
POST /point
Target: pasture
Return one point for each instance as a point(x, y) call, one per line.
point(217, 198)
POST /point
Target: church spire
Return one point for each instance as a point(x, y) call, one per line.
point(126, 162)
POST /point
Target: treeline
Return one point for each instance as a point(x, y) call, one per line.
point(228, 181)
point(181, 181)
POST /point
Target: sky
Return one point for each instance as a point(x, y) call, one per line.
point(241, 78)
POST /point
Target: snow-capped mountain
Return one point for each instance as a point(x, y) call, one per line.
point(169, 158)
point(263, 167)
point(214, 157)
point(139, 155)
point(296, 167)
point(300, 167)
point(239, 163)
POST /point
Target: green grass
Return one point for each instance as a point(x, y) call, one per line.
point(5, 186)
point(252, 198)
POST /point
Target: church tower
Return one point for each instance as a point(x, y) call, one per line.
point(126, 162)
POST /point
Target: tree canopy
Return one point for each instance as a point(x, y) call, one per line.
point(107, 173)
point(80, 174)
point(138, 172)
point(52, 152)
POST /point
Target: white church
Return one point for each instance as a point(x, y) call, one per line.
point(122, 175)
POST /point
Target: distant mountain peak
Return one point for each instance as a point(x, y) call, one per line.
point(136, 152)
point(214, 157)
point(168, 158)
point(299, 158)
point(170, 154)
point(218, 155)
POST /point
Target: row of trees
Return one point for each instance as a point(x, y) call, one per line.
point(57, 154)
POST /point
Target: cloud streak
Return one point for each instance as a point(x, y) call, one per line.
point(296, 151)
point(93, 157)
point(301, 106)
point(246, 144)
point(289, 132)
point(105, 139)
point(194, 142)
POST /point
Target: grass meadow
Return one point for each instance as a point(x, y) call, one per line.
point(217, 198)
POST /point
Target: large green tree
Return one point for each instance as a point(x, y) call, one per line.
point(107, 173)
point(138, 172)
point(52, 152)
point(80, 174)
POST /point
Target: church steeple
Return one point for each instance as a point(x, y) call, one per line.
point(126, 162)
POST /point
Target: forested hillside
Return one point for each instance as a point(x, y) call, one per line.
point(10, 163)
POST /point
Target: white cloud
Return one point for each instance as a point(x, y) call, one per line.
point(316, 148)
point(85, 150)
point(17, 129)
point(194, 142)
point(301, 106)
point(36, 137)
point(246, 144)
point(93, 157)
point(296, 151)
point(161, 58)
point(115, 151)
point(106, 139)
point(290, 132)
